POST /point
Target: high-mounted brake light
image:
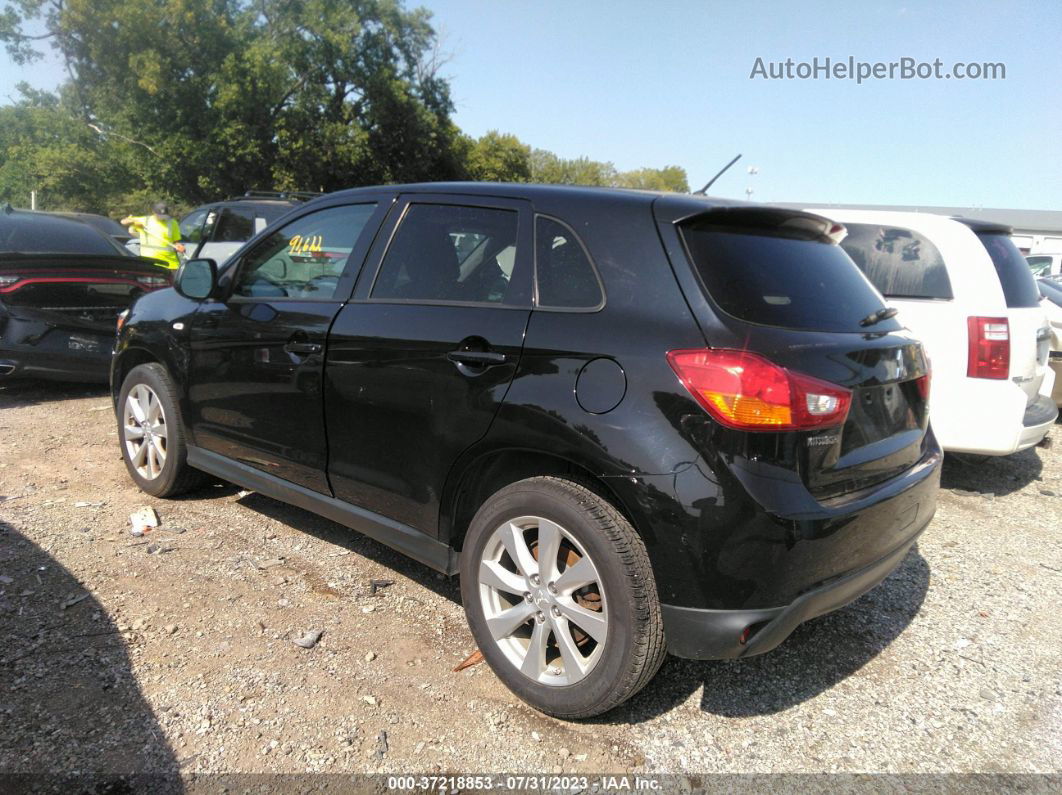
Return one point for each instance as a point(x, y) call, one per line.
point(989, 352)
point(746, 391)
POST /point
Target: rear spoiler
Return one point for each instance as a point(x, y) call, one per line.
point(765, 217)
point(141, 265)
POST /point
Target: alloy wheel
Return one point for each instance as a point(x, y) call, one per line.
point(543, 601)
point(144, 431)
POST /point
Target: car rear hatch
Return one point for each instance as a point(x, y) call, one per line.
point(1027, 328)
point(73, 290)
point(773, 283)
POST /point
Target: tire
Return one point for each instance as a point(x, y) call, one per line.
point(149, 419)
point(603, 640)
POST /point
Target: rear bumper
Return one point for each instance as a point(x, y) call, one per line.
point(32, 348)
point(718, 634)
point(1056, 367)
point(992, 426)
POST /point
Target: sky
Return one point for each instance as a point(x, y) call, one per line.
point(668, 83)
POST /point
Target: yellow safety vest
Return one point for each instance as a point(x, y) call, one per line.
point(157, 238)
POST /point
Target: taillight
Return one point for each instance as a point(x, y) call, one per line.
point(989, 352)
point(923, 387)
point(746, 391)
point(153, 282)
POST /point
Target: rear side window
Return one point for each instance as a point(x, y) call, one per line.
point(1019, 286)
point(779, 276)
point(234, 226)
point(899, 262)
point(450, 253)
point(565, 276)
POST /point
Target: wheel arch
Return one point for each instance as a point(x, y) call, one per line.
point(472, 482)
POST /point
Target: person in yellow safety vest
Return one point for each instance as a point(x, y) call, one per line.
point(160, 236)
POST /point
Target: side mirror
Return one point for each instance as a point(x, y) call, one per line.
point(197, 279)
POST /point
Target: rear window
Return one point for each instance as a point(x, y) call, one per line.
point(1019, 286)
point(899, 262)
point(42, 234)
point(779, 276)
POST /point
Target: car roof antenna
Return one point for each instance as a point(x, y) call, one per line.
point(703, 191)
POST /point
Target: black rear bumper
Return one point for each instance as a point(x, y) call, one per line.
point(1041, 410)
point(721, 634)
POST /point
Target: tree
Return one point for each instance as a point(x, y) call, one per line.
point(499, 158)
point(669, 178)
point(201, 98)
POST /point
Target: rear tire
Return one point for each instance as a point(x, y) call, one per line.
point(591, 634)
point(152, 434)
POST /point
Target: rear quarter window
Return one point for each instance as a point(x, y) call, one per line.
point(1017, 281)
point(901, 263)
point(783, 277)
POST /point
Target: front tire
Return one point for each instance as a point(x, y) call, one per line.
point(152, 435)
point(561, 598)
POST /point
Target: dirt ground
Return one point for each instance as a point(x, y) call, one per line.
point(173, 652)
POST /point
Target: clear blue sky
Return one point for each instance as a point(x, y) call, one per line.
point(653, 84)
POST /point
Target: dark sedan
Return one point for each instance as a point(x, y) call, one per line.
point(62, 285)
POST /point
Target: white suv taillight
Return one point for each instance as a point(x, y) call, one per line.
point(989, 352)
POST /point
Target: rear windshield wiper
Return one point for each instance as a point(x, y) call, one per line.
point(878, 316)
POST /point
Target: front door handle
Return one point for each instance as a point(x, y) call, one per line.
point(303, 348)
point(477, 358)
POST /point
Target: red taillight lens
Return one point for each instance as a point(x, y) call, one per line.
point(923, 384)
point(746, 391)
point(989, 355)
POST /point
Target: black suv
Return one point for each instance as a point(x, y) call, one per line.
point(634, 423)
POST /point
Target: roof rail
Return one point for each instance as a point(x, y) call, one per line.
point(296, 195)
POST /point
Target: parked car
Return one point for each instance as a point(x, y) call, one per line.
point(631, 422)
point(62, 286)
point(214, 231)
point(963, 288)
point(114, 230)
point(1044, 264)
point(1051, 289)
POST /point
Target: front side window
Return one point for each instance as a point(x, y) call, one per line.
point(565, 277)
point(899, 262)
point(451, 253)
point(304, 259)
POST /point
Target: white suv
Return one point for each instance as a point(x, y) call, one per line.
point(965, 290)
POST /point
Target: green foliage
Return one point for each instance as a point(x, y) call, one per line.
point(193, 100)
point(499, 158)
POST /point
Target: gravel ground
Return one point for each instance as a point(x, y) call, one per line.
point(174, 651)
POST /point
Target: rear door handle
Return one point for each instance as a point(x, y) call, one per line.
point(303, 348)
point(477, 358)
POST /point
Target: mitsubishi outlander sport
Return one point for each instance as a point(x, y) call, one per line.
point(632, 423)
